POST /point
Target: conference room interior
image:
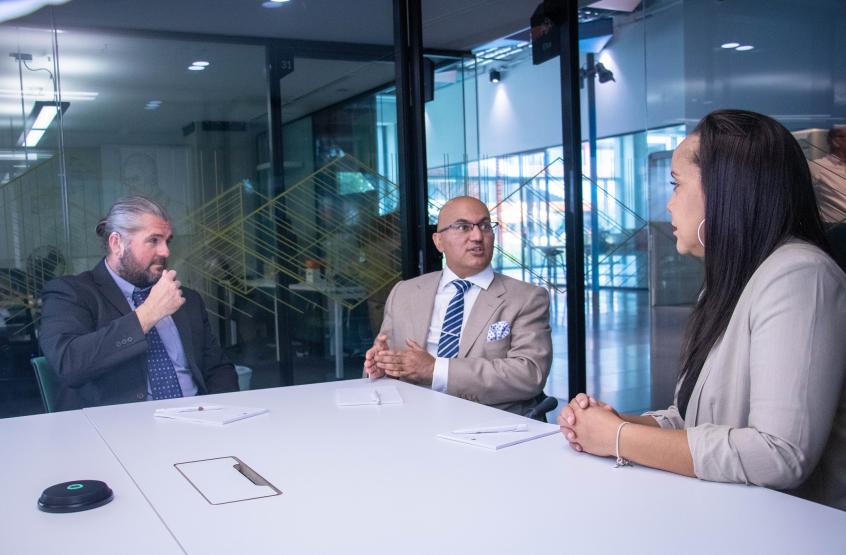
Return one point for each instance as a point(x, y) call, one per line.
point(285, 185)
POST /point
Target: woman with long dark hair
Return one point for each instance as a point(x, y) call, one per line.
point(760, 397)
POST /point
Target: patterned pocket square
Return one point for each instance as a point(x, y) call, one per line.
point(499, 330)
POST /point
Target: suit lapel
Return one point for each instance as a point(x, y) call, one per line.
point(109, 289)
point(423, 305)
point(183, 326)
point(486, 304)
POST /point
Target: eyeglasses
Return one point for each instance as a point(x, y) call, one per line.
point(467, 227)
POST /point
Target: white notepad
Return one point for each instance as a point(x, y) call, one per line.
point(500, 440)
point(216, 415)
point(355, 396)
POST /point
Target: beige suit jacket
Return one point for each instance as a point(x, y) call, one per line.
point(769, 407)
point(507, 373)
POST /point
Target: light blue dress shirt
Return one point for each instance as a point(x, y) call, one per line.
point(170, 337)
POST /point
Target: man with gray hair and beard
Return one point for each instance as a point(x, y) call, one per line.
point(127, 330)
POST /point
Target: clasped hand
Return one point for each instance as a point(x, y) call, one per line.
point(590, 425)
point(413, 364)
point(165, 298)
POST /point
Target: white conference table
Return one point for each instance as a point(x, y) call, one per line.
point(39, 451)
point(375, 479)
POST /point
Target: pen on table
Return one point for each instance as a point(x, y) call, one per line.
point(192, 409)
point(493, 429)
point(376, 397)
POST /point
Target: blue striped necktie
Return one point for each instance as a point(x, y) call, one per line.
point(163, 381)
point(451, 328)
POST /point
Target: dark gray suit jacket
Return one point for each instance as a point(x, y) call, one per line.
point(94, 341)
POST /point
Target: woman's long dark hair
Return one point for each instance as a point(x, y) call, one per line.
point(758, 193)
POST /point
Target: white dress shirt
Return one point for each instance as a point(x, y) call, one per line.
point(446, 291)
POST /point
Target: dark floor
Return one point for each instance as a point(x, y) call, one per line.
point(619, 356)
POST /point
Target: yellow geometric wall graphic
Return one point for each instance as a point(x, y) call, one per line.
point(342, 220)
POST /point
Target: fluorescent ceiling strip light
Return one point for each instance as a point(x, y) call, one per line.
point(33, 137)
point(7, 154)
point(48, 95)
point(45, 117)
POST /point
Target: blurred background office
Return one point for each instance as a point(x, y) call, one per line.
point(273, 134)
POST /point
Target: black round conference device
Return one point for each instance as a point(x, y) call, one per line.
point(71, 497)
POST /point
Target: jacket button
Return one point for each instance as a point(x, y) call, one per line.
point(140, 396)
point(129, 339)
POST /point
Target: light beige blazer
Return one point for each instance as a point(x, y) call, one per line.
point(769, 407)
point(507, 373)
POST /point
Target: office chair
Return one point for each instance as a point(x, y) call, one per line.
point(545, 404)
point(245, 374)
point(47, 382)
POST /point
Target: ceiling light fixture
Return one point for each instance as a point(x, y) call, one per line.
point(274, 3)
point(9, 154)
point(196, 68)
point(728, 45)
point(604, 74)
point(599, 70)
point(47, 94)
point(39, 120)
point(200, 63)
point(495, 76)
point(744, 48)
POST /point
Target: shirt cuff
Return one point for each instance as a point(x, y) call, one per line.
point(440, 376)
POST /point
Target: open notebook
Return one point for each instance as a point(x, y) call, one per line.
point(216, 415)
point(532, 429)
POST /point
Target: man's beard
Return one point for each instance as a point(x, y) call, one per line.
point(133, 272)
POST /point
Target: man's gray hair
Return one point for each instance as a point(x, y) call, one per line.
point(124, 215)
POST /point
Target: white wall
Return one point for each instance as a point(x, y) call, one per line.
point(521, 112)
point(793, 74)
point(445, 126)
point(647, 58)
point(669, 69)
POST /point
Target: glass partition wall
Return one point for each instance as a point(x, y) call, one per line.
point(287, 249)
point(667, 64)
point(278, 160)
point(650, 70)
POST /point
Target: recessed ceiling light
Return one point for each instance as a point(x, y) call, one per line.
point(274, 3)
point(744, 48)
point(730, 45)
point(200, 63)
point(196, 68)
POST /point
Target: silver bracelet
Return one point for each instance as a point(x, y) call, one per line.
point(620, 460)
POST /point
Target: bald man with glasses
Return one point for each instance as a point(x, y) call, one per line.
point(467, 331)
